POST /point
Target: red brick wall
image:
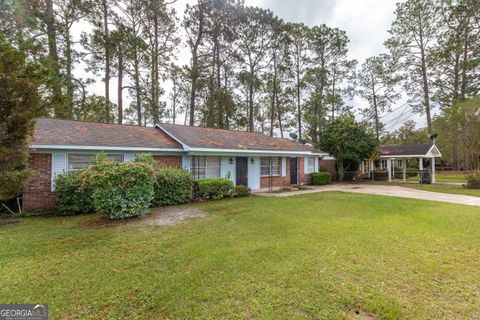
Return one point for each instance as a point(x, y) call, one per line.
point(37, 194)
point(330, 166)
point(280, 181)
point(168, 161)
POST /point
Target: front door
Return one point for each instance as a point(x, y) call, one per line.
point(293, 171)
point(242, 171)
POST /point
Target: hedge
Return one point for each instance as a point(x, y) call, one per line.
point(215, 188)
point(473, 180)
point(73, 196)
point(320, 178)
point(121, 190)
point(242, 191)
point(173, 186)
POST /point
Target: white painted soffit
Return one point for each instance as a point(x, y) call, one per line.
point(409, 156)
point(213, 151)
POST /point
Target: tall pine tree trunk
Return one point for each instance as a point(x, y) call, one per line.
point(59, 108)
point(107, 60)
point(299, 106)
point(120, 88)
point(138, 102)
point(68, 70)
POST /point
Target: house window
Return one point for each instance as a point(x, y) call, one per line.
point(81, 161)
point(205, 167)
point(274, 163)
point(310, 164)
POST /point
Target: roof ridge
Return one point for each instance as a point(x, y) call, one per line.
point(220, 129)
point(230, 130)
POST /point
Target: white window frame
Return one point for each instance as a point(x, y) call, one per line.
point(265, 165)
point(202, 167)
point(310, 166)
point(92, 155)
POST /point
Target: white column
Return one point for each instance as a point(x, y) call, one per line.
point(404, 165)
point(433, 169)
point(394, 162)
point(420, 163)
point(389, 169)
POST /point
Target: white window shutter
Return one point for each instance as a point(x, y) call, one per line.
point(305, 165)
point(59, 166)
point(284, 166)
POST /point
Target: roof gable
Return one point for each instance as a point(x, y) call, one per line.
point(428, 150)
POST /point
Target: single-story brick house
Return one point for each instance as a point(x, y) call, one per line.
point(253, 159)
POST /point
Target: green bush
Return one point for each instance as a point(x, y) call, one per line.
point(242, 191)
point(146, 158)
point(12, 183)
point(73, 196)
point(320, 178)
point(473, 180)
point(215, 188)
point(173, 186)
point(121, 190)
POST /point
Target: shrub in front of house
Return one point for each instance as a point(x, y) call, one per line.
point(242, 191)
point(173, 186)
point(73, 197)
point(215, 188)
point(320, 178)
point(473, 180)
point(146, 158)
point(121, 190)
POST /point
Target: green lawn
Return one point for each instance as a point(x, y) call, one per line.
point(444, 188)
point(316, 256)
point(444, 176)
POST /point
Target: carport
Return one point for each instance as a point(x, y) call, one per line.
point(391, 157)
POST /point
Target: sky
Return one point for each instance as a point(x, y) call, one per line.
point(366, 23)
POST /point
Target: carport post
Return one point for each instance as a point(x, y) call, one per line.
point(389, 169)
point(433, 169)
point(404, 164)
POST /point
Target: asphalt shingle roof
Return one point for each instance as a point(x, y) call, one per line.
point(403, 150)
point(198, 137)
point(80, 133)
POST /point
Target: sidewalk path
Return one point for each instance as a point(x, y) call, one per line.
point(384, 190)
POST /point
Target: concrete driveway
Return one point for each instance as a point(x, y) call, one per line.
point(385, 190)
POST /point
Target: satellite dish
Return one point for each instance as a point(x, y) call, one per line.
point(433, 136)
point(293, 135)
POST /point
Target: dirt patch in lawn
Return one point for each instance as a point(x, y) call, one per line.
point(5, 222)
point(170, 216)
point(166, 216)
point(360, 315)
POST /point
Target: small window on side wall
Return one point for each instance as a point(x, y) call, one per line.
point(81, 161)
point(310, 164)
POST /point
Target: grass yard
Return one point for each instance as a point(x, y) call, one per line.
point(444, 188)
point(319, 256)
point(445, 176)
